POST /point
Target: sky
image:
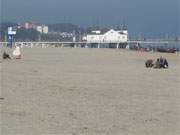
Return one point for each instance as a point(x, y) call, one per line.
point(143, 17)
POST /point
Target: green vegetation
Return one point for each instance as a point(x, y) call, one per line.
point(27, 35)
point(63, 27)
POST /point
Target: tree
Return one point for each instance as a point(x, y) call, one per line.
point(27, 35)
point(63, 27)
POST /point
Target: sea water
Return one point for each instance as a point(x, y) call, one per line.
point(172, 45)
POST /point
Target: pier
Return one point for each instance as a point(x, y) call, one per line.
point(84, 44)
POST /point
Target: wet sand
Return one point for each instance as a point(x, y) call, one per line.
point(72, 91)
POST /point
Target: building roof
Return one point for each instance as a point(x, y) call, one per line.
point(103, 31)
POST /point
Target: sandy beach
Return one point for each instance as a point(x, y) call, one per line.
point(73, 91)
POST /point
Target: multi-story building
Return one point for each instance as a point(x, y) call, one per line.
point(45, 29)
point(42, 29)
point(37, 26)
point(30, 25)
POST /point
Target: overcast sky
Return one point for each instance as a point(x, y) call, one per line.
point(146, 17)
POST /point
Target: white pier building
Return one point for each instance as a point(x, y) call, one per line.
point(111, 36)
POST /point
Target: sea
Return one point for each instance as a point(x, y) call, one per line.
point(154, 46)
point(172, 45)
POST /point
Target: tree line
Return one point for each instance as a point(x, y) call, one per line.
point(23, 34)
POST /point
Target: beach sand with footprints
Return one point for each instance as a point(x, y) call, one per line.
point(73, 91)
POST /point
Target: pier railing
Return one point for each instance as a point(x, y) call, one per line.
point(83, 43)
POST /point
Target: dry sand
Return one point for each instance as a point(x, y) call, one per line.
point(67, 91)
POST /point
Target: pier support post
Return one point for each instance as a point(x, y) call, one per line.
point(117, 46)
point(98, 45)
point(62, 45)
point(43, 46)
point(32, 45)
point(128, 46)
point(86, 46)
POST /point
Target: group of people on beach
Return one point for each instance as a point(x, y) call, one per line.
point(159, 63)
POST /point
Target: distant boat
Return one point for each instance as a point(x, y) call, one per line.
point(166, 50)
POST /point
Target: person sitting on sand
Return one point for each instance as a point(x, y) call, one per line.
point(17, 53)
point(157, 64)
point(165, 63)
point(6, 56)
point(161, 63)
